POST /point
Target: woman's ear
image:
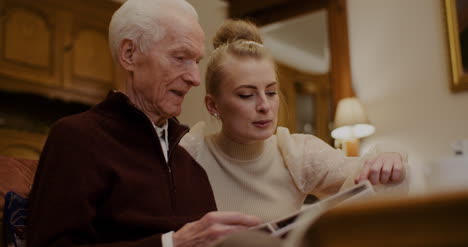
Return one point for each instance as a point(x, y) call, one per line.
point(126, 54)
point(210, 104)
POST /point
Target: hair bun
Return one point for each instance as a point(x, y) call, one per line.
point(233, 30)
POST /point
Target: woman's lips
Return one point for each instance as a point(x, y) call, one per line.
point(262, 123)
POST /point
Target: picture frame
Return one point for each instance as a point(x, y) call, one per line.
point(457, 32)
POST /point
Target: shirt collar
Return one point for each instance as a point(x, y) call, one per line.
point(162, 129)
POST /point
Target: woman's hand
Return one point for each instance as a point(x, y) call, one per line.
point(383, 169)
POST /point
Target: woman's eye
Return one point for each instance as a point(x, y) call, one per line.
point(245, 96)
point(272, 93)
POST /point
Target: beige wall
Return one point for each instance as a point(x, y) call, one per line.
point(400, 71)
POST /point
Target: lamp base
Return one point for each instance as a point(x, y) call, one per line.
point(349, 147)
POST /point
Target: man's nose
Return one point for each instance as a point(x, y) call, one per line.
point(192, 75)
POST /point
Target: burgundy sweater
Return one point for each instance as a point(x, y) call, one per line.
point(102, 180)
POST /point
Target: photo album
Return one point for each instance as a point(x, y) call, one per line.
point(311, 212)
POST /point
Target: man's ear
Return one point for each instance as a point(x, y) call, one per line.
point(126, 54)
point(210, 104)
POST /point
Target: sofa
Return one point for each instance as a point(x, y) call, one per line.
point(16, 175)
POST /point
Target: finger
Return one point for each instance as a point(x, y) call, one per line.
point(397, 173)
point(231, 218)
point(364, 173)
point(219, 230)
point(374, 173)
point(386, 172)
point(194, 234)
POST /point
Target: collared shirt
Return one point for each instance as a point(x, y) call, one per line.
point(162, 134)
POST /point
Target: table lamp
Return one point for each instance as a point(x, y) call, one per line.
point(351, 124)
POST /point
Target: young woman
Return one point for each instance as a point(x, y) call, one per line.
point(252, 169)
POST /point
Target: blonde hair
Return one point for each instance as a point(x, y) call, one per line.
point(235, 38)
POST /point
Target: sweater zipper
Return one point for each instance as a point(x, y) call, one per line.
point(172, 187)
point(169, 153)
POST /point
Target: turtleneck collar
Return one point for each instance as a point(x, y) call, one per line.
point(118, 106)
point(236, 150)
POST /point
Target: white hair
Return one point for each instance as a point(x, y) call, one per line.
point(140, 21)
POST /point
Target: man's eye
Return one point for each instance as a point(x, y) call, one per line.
point(245, 96)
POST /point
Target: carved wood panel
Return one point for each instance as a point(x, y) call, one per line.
point(57, 48)
point(27, 38)
point(88, 63)
point(27, 44)
point(91, 56)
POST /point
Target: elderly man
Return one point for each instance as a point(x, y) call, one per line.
point(115, 175)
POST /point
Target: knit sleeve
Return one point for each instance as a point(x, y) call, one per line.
point(315, 166)
point(192, 141)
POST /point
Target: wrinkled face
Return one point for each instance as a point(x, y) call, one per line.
point(164, 73)
point(248, 99)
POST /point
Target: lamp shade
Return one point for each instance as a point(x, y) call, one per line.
point(351, 120)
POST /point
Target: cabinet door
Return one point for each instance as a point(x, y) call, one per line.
point(88, 67)
point(306, 105)
point(28, 50)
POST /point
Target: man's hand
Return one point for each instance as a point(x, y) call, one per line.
point(212, 227)
point(385, 168)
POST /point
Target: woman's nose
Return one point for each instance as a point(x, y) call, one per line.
point(263, 104)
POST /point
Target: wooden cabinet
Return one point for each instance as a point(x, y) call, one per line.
point(21, 144)
point(29, 49)
point(57, 48)
point(307, 102)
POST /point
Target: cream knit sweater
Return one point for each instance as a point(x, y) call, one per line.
point(271, 178)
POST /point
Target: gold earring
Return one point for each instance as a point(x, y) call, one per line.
point(215, 115)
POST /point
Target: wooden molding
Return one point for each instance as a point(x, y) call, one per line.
point(265, 12)
point(340, 69)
